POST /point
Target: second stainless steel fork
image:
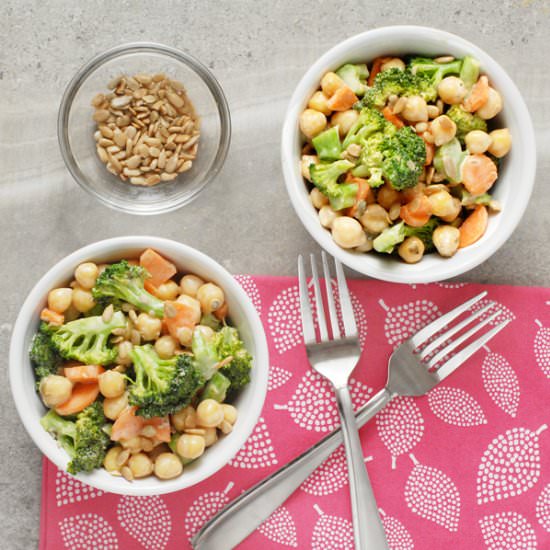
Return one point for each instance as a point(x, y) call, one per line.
point(335, 356)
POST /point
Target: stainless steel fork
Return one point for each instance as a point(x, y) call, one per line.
point(335, 358)
point(415, 367)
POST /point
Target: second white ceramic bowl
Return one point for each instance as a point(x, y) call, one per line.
point(243, 314)
point(517, 171)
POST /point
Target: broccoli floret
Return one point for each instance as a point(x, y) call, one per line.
point(327, 144)
point(469, 72)
point(87, 339)
point(465, 121)
point(368, 122)
point(162, 386)
point(216, 388)
point(448, 160)
point(396, 234)
point(123, 282)
point(473, 200)
point(84, 440)
point(355, 76)
point(404, 158)
point(44, 357)
point(325, 177)
point(434, 71)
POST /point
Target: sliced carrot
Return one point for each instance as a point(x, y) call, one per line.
point(82, 396)
point(149, 286)
point(184, 317)
point(474, 226)
point(391, 117)
point(221, 312)
point(158, 267)
point(364, 191)
point(376, 68)
point(417, 212)
point(478, 95)
point(479, 173)
point(162, 427)
point(342, 99)
point(50, 316)
point(85, 374)
point(411, 193)
point(129, 425)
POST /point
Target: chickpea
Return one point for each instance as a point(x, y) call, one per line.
point(305, 163)
point(191, 446)
point(387, 196)
point(209, 413)
point(312, 123)
point(124, 349)
point(185, 336)
point(184, 419)
point(318, 102)
point(452, 90)
point(60, 299)
point(112, 383)
point(167, 291)
point(433, 111)
point(492, 106)
point(229, 413)
point(189, 285)
point(141, 465)
point(344, 120)
point(375, 219)
point(501, 142)
point(317, 198)
point(113, 406)
point(411, 250)
point(330, 83)
point(443, 129)
point(110, 462)
point(477, 142)
point(166, 346)
point(193, 305)
point(415, 110)
point(133, 444)
point(327, 216)
point(394, 211)
point(394, 63)
point(446, 239)
point(149, 327)
point(347, 232)
point(454, 213)
point(210, 437)
point(367, 247)
point(211, 297)
point(168, 466)
point(441, 203)
point(83, 300)
point(55, 390)
point(86, 274)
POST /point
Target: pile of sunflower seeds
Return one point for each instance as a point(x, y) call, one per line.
point(147, 129)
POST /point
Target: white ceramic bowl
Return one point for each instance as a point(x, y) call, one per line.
point(517, 172)
point(243, 314)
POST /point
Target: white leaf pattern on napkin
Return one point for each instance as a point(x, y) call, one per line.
point(69, 490)
point(313, 406)
point(501, 383)
point(508, 531)
point(329, 477)
point(331, 533)
point(277, 377)
point(88, 532)
point(280, 528)
point(510, 465)
point(396, 534)
point(452, 285)
point(542, 348)
point(543, 508)
point(400, 426)
point(455, 406)
point(257, 451)
point(404, 320)
point(432, 495)
point(146, 519)
point(251, 289)
point(205, 507)
point(505, 314)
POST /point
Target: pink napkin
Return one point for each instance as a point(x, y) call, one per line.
point(465, 467)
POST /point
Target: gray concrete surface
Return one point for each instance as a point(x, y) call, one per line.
point(258, 51)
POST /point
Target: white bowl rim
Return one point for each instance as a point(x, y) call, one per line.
point(18, 354)
point(361, 262)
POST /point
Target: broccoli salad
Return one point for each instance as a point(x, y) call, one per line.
point(401, 157)
point(138, 371)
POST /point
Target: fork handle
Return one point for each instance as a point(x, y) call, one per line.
point(240, 518)
point(368, 531)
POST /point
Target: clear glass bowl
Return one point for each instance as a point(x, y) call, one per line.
point(76, 127)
